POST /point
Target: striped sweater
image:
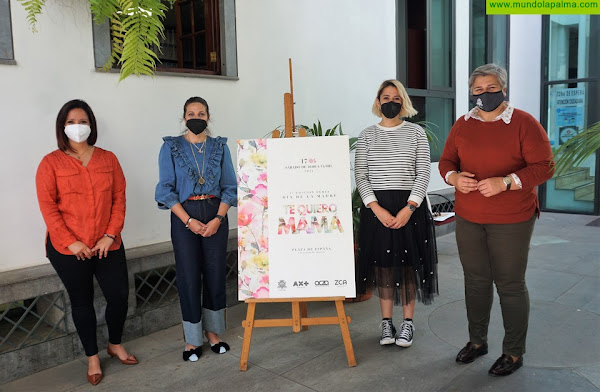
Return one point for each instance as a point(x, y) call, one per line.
point(392, 159)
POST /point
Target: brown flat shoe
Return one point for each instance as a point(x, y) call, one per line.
point(94, 379)
point(130, 360)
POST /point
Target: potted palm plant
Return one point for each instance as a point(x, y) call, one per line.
point(577, 149)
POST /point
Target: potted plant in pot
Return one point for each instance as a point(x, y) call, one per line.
point(577, 149)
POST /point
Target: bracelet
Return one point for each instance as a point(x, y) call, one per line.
point(187, 224)
point(112, 237)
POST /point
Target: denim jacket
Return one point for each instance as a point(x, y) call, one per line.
point(178, 174)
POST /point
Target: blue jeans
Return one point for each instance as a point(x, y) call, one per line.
point(201, 268)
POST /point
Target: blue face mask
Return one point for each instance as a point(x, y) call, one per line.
point(488, 102)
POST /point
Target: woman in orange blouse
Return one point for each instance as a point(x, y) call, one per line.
point(81, 192)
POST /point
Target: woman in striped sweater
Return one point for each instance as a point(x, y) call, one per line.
point(397, 235)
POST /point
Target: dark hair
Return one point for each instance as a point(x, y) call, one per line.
point(61, 138)
point(196, 100)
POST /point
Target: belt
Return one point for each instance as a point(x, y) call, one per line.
point(201, 197)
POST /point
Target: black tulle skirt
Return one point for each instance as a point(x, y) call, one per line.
point(400, 264)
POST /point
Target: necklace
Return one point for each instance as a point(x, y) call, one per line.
point(201, 174)
point(78, 156)
point(201, 148)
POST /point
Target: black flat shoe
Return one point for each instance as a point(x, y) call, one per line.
point(216, 348)
point(505, 366)
point(192, 355)
point(469, 353)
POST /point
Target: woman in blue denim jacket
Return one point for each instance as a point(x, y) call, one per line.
point(198, 184)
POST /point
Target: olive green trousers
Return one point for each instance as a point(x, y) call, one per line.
point(496, 253)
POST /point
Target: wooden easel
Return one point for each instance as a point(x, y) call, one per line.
point(299, 320)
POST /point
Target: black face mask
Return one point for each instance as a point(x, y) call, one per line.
point(196, 125)
point(488, 102)
point(391, 109)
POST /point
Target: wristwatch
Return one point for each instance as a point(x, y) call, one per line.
point(220, 217)
point(411, 207)
point(507, 181)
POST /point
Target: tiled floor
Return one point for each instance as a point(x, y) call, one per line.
point(563, 341)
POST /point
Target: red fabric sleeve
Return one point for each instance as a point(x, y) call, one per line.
point(117, 215)
point(536, 150)
point(45, 181)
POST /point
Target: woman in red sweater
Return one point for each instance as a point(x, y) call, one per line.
point(81, 192)
point(495, 156)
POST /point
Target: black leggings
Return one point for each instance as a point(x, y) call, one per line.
point(77, 276)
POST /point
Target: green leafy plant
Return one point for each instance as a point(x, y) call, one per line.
point(317, 130)
point(136, 25)
point(432, 138)
point(577, 149)
point(33, 8)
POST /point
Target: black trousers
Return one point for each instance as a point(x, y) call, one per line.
point(77, 276)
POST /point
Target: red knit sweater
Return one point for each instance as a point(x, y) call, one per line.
point(496, 149)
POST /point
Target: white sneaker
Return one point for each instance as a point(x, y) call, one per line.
point(388, 332)
point(405, 336)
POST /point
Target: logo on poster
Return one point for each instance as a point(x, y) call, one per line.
point(341, 282)
point(281, 285)
point(300, 283)
point(321, 283)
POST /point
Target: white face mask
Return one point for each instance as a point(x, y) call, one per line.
point(78, 132)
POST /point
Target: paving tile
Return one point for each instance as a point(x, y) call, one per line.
point(585, 261)
point(423, 367)
point(592, 373)
point(211, 373)
point(548, 322)
point(547, 285)
point(20, 363)
point(171, 337)
point(59, 378)
point(538, 240)
point(584, 295)
point(280, 349)
point(527, 378)
point(563, 279)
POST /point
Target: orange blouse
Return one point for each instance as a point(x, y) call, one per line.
point(81, 203)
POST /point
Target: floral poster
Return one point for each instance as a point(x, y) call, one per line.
point(294, 218)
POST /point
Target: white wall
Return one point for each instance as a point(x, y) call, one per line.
point(525, 63)
point(341, 51)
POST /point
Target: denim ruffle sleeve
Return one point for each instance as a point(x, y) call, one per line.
point(166, 194)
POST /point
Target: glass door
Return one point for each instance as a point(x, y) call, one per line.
point(571, 92)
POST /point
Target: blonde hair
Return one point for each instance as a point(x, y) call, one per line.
point(407, 108)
